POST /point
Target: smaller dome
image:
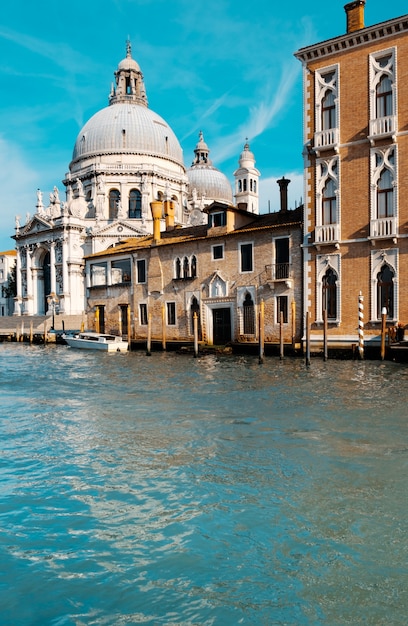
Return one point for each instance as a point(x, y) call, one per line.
point(129, 64)
point(210, 183)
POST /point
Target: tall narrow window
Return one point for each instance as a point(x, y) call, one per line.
point(384, 97)
point(329, 299)
point(282, 258)
point(171, 313)
point(328, 111)
point(193, 266)
point(135, 204)
point(249, 315)
point(385, 195)
point(385, 291)
point(246, 257)
point(282, 307)
point(143, 314)
point(114, 200)
point(141, 271)
point(329, 203)
point(186, 267)
point(178, 268)
point(195, 310)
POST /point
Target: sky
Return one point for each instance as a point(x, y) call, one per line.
point(225, 67)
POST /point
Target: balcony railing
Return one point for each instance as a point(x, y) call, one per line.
point(326, 139)
point(383, 127)
point(329, 233)
point(383, 227)
point(277, 271)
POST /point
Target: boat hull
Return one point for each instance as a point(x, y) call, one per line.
point(93, 341)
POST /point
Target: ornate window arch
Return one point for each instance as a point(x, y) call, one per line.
point(384, 283)
point(327, 192)
point(114, 202)
point(328, 287)
point(384, 197)
point(326, 96)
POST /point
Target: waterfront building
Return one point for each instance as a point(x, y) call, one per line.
point(125, 157)
point(355, 176)
point(7, 263)
point(221, 271)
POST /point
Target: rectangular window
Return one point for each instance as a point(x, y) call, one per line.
point(141, 271)
point(143, 314)
point(171, 313)
point(246, 257)
point(98, 274)
point(282, 258)
point(218, 219)
point(282, 307)
point(217, 252)
point(121, 271)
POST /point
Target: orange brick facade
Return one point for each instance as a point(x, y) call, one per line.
point(356, 179)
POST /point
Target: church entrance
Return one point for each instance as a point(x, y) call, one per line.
point(221, 326)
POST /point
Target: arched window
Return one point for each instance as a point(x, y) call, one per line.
point(329, 299)
point(195, 308)
point(254, 186)
point(135, 204)
point(186, 267)
point(193, 266)
point(328, 111)
point(249, 315)
point(384, 97)
point(385, 195)
point(329, 203)
point(385, 291)
point(114, 199)
point(245, 184)
point(178, 268)
point(240, 185)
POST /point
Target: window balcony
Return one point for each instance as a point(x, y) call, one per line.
point(329, 233)
point(277, 272)
point(326, 140)
point(383, 228)
point(382, 127)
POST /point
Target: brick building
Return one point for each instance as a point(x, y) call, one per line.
point(221, 271)
point(356, 178)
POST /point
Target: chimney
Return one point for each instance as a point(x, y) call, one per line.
point(355, 15)
point(157, 211)
point(283, 186)
point(169, 211)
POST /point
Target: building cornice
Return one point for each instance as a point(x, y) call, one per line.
point(362, 37)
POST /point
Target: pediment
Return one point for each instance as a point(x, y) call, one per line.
point(120, 229)
point(35, 225)
point(217, 286)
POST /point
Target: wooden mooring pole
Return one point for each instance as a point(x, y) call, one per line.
point(307, 340)
point(325, 351)
point(195, 327)
point(149, 335)
point(261, 331)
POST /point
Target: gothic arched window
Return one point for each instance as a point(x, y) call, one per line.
point(384, 97)
point(193, 266)
point(249, 315)
point(329, 299)
point(186, 267)
point(385, 291)
point(329, 203)
point(328, 111)
point(135, 204)
point(385, 195)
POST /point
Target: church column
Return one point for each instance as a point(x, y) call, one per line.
point(29, 281)
point(17, 299)
point(52, 268)
point(64, 296)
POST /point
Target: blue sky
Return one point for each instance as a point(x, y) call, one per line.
point(225, 67)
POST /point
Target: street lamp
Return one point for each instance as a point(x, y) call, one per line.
point(53, 301)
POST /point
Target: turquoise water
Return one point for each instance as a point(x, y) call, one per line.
point(168, 490)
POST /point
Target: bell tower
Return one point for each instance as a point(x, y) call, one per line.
point(247, 181)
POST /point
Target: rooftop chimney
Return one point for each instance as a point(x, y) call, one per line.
point(157, 212)
point(169, 210)
point(355, 15)
point(283, 185)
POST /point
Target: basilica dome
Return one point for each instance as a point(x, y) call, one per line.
point(127, 128)
point(205, 180)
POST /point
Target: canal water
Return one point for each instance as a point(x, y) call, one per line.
point(168, 490)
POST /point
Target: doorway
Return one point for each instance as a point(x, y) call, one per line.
point(221, 326)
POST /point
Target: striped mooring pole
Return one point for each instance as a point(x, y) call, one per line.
point(361, 326)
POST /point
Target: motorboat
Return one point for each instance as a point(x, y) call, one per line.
point(89, 340)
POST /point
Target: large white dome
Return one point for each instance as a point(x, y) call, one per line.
point(127, 128)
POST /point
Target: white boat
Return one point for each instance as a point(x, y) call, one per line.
point(88, 340)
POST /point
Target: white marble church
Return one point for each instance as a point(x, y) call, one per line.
point(125, 157)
